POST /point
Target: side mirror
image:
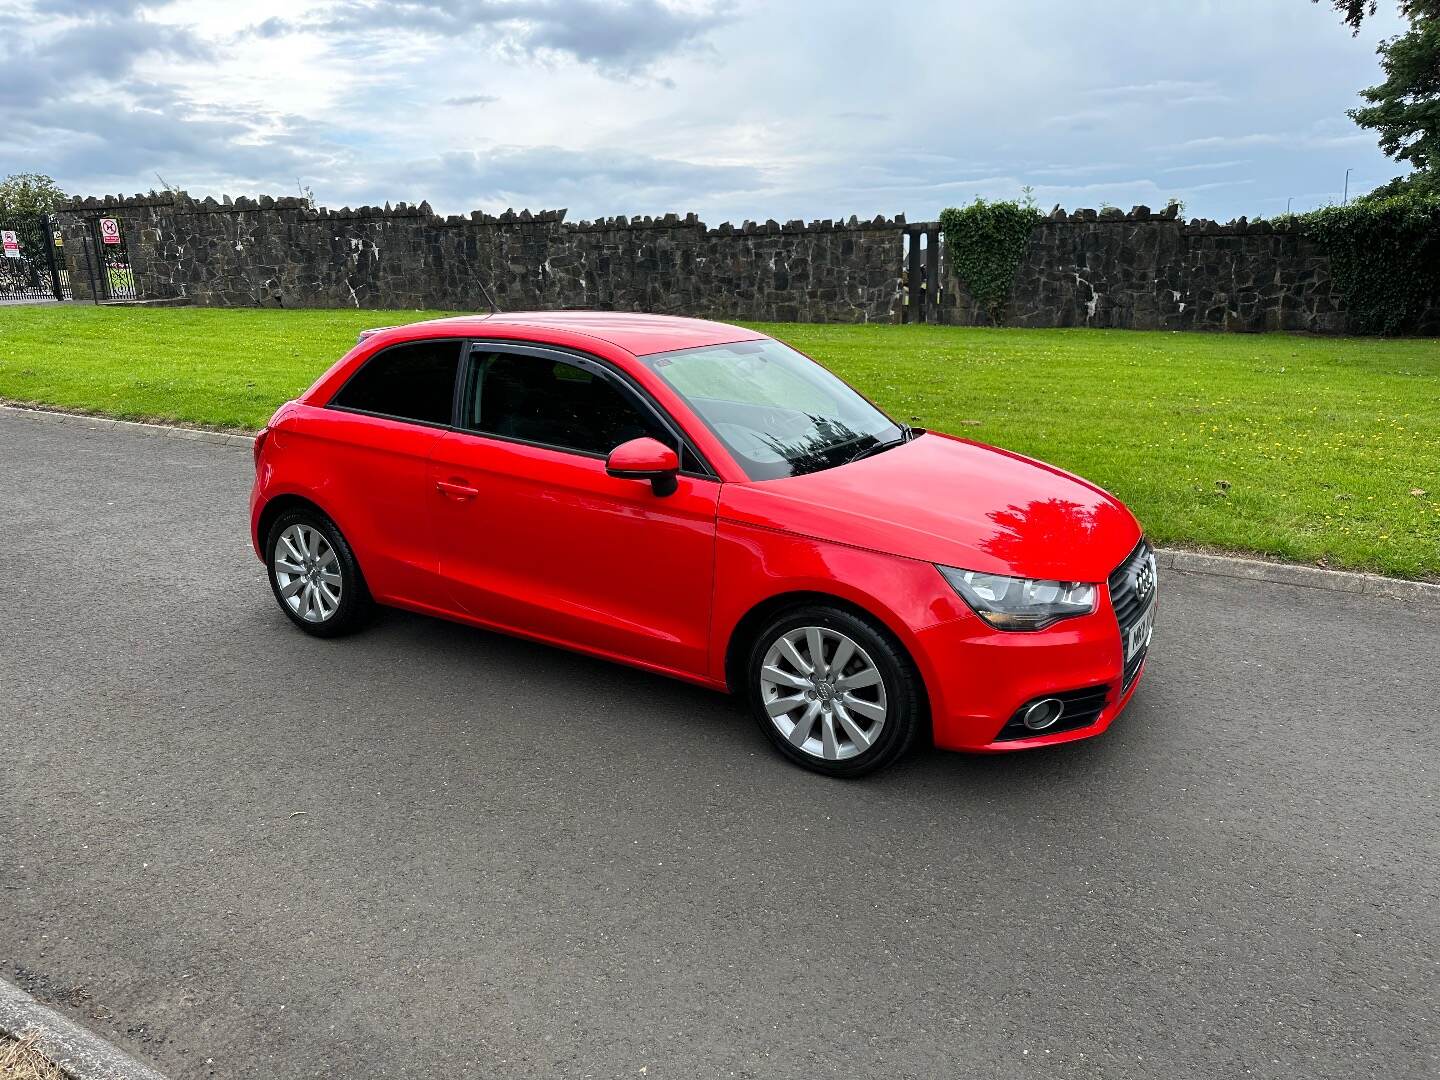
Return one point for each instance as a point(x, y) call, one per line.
point(645, 459)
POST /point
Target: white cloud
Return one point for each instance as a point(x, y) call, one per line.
point(1161, 87)
point(1204, 166)
point(1292, 140)
point(732, 108)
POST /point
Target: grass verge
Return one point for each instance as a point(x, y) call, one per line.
point(1323, 450)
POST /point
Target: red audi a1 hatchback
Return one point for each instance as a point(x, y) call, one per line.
point(705, 502)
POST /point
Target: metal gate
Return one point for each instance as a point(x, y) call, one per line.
point(920, 273)
point(112, 260)
point(31, 268)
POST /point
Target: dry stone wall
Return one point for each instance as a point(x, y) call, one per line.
point(1141, 270)
point(1149, 271)
point(281, 252)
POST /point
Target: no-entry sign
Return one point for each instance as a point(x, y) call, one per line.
point(109, 230)
point(11, 244)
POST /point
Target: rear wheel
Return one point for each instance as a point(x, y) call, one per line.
point(833, 691)
point(314, 575)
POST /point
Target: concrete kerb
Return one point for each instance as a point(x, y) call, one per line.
point(1191, 562)
point(160, 430)
point(78, 1052)
point(1307, 577)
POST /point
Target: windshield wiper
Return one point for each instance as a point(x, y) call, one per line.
point(875, 447)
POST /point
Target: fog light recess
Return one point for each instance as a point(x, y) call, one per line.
point(1045, 713)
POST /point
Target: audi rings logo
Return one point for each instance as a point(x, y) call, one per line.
point(1145, 580)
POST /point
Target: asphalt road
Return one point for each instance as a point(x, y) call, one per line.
point(430, 851)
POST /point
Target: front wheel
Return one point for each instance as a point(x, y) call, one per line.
point(834, 692)
point(314, 575)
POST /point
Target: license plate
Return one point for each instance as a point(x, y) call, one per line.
point(1139, 635)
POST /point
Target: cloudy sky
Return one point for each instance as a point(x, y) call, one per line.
point(732, 108)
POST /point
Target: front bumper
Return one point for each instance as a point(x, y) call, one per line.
point(978, 678)
point(1114, 706)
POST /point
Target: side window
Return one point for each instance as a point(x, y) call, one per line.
point(408, 382)
point(542, 400)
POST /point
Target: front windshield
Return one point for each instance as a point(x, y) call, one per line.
point(777, 412)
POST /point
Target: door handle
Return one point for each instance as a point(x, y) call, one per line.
point(458, 491)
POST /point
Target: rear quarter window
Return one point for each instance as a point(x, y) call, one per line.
point(408, 382)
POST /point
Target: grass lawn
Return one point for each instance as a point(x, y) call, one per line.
point(1312, 449)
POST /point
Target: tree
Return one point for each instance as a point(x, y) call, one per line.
point(1355, 12)
point(1416, 183)
point(29, 193)
point(1405, 108)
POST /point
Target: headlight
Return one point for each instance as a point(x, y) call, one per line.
point(1012, 603)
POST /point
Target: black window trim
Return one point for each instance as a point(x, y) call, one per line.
point(468, 346)
point(461, 354)
point(586, 362)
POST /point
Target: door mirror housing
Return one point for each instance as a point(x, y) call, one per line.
point(645, 459)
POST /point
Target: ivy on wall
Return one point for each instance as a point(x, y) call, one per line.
point(1385, 255)
point(985, 243)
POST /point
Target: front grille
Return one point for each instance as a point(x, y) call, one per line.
point(1082, 708)
point(1128, 606)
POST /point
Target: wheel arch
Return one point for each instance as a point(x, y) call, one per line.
point(742, 637)
point(277, 505)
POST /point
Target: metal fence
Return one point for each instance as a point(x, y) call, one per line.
point(32, 266)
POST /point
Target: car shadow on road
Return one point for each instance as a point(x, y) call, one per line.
point(664, 716)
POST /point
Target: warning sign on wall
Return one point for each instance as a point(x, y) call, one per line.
point(109, 230)
point(11, 244)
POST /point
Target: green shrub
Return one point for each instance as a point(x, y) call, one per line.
point(1385, 255)
point(984, 243)
point(1416, 183)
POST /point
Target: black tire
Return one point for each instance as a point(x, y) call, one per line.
point(904, 698)
point(354, 607)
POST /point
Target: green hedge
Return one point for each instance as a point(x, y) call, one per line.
point(984, 243)
point(1385, 255)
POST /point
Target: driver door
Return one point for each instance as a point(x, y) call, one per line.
point(532, 534)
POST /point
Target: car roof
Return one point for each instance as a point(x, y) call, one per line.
point(635, 332)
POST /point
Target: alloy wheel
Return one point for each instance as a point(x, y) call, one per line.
point(307, 573)
point(823, 693)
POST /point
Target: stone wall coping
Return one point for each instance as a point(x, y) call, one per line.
point(1200, 226)
point(182, 203)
